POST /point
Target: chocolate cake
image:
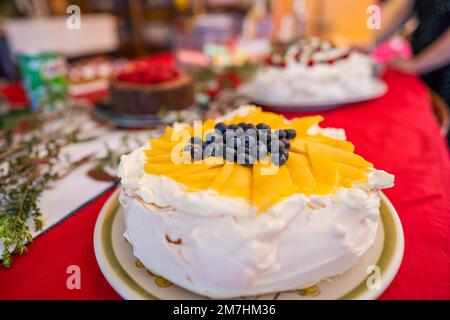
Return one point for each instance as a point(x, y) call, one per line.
point(146, 88)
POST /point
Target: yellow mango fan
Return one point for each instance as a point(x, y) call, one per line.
point(315, 163)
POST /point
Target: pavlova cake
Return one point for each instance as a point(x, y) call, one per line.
point(251, 203)
point(314, 71)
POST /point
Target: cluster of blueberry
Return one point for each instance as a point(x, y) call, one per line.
point(243, 143)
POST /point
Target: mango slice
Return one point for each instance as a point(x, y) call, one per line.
point(298, 145)
point(252, 116)
point(167, 134)
point(210, 174)
point(317, 164)
point(341, 144)
point(324, 170)
point(188, 169)
point(340, 155)
point(160, 168)
point(301, 173)
point(163, 145)
point(223, 176)
point(154, 152)
point(267, 188)
point(350, 175)
point(199, 180)
point(196, 185)
point(301, 125)
point(239, 183)
point(164, 157)
point(207, 126)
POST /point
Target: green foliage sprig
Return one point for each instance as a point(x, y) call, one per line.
point(26, 168)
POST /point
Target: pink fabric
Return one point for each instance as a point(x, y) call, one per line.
point(392, 48)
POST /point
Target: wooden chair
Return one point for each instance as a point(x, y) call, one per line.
point(441, 110)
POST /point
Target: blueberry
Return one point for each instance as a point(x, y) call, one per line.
point(196, 140)
point(276, 146)
point(248, 127)
point(212, 150)
point(233, 127)
point(230, 154)
point(196, 153)
point(280, 134)
point(290, 133)
point(263, 126)
point(240, 158)
point(286, 143)
point(252, 135)
point(250, 160)
point(229, 135)
point(249, 141)
point(214, 137)
point(263, 135)
point(263, 130)
point(245, 159)
point(286, 154)
point(210, 137)
point(278, 159)
point(261, 151)
point(221, 127)
point(273, 136)
point(252, 151)
point(219, 150)
point(237, 142)
point(272, 139)
point(239, 132)
point(242, 125)
point(188, 147)
point(208, 151)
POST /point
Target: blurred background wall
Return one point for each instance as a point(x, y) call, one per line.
point(143, 22)
point(142, 27)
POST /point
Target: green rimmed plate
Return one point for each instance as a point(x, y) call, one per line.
point(366, 280)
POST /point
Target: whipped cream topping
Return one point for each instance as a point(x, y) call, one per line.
point(347, 78)
point(220, 247)
point(335, 133)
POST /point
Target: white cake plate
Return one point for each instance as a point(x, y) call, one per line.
point(378, 89)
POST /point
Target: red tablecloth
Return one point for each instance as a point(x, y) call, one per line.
point(397, 132)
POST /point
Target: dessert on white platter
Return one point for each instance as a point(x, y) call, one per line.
point(227, 229)
point(313, 71)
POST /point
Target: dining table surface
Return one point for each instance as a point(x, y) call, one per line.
point(397, 132)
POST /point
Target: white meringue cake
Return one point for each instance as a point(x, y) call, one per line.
point(225, 229)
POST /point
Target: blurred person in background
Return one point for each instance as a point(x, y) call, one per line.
point(430, 41)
